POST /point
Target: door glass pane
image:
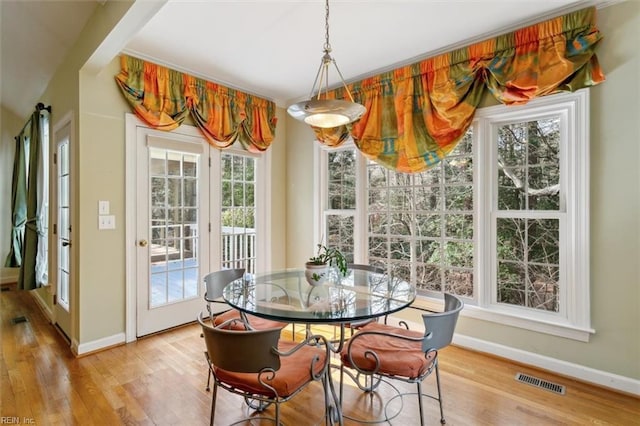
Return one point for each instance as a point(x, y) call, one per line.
point(174, 209)
point(238, 232)
point(64, 224)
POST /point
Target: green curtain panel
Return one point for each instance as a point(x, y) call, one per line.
point(27, 276)
point(417, 114)
point(163, 98)
point(18, 202)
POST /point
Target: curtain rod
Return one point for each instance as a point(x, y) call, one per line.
point(40, 106)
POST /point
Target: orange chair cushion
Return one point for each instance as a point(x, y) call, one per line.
point(294, 373)
point(397, 357)
point(256, 322)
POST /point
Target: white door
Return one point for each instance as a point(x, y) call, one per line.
point(64, 295)
point(172, 228)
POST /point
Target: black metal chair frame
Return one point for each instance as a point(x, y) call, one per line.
point(432, 340)
point(223, 347)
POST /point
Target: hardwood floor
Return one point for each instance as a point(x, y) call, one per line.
point(160, 380)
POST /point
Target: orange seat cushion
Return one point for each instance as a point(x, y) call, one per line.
point(256, 322)
point(397, 357)
point(294, 372)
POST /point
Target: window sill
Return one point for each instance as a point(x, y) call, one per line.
point(565, 330)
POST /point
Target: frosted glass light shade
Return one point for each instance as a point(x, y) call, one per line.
point(326, 113)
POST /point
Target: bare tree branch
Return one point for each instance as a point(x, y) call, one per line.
point(517, 182)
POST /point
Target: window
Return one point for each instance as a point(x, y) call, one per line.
point(339, 216)
point(502, 221)
point(241, 179)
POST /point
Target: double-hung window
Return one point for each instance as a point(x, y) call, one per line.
point(502, 221)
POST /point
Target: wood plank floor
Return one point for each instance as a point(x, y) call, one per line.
point(160, 380)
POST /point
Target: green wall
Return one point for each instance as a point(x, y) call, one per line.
point(63, 94)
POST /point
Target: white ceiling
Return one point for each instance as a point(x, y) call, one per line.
point(34, 37)
point(271, 48)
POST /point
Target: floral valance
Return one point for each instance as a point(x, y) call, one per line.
point(163, 98)
point(417, 114)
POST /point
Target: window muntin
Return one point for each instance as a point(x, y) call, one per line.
point(238, 211)
point(528, 155)
point(174, 261)
point(340, 199)
point(499, 226)
point(529, 213)
point(421, 225)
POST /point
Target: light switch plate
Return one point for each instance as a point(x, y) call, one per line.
point(106, 222)
point(103, 207)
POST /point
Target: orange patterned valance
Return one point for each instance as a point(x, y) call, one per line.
point(162, 98)
point(417, 114)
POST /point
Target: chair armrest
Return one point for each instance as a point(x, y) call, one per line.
point(317, 341)
point(231, 322)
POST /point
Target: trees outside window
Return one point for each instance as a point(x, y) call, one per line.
point(238, 211)
point(502, 221)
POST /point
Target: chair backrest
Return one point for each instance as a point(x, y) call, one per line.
point(441, 325)
point(215, 281)
point(241, 351)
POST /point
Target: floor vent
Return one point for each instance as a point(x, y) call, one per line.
point(18, 320)
point(540, 383)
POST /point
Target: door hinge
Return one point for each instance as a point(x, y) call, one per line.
point(209, 162)
point(55, 299)
point(55, 158)
point(55, 229)
point(209, 226)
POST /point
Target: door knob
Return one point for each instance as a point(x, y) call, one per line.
point(142, 243)
point(66, 243)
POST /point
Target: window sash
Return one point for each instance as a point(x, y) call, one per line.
point(573, 317)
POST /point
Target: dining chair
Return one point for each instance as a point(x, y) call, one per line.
point(214, 284)
point(256, 365)
point(379, 352)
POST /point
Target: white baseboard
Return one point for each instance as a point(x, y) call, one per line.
point(96, 345)
point(46, 310)
point(580, 372)
point(564, 368)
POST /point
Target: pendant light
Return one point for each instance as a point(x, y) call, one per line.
point(318, 110)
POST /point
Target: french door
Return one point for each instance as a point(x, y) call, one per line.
point(172, 228)
point(63, 307)
point(191, 209)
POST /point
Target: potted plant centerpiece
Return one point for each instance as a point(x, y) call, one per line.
point(317, 266)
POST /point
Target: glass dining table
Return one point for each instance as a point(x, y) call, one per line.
point(287, 296)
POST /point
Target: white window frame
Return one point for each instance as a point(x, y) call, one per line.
point(320, 203)
point(262, 197)
point(573, 319)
